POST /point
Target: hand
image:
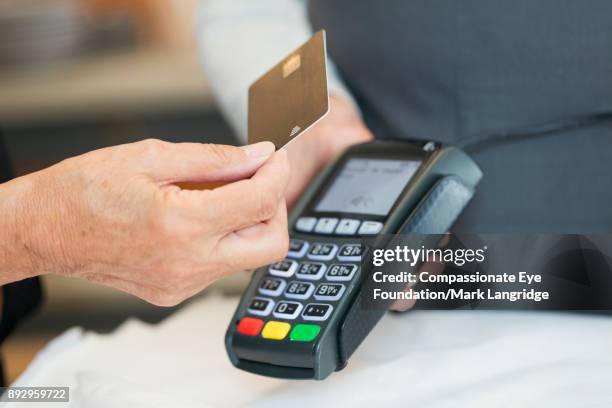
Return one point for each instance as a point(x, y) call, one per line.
point(434, 267)
point(327, 139)
point(115, 216)
point(403, 305)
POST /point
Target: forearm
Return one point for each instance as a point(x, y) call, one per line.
point(22, 232)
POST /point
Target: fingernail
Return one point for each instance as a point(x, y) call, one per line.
point(259, 150)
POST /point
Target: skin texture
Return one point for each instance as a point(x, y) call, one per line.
point(115, 216)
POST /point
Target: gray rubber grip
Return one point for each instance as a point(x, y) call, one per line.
point(435, 214)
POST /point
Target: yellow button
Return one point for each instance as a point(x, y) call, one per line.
point(275, 330)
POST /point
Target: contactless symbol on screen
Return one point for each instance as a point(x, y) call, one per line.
point(362, 201)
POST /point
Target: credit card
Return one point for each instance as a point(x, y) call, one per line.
point(290, 97)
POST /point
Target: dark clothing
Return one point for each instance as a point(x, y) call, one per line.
point(19, 298)
point(477, 73)
point(5, 163)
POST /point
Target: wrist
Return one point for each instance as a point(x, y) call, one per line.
point(16, 260)
point(344, 127)
point(32, 240)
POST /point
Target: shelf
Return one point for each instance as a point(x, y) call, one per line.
point(135, 82)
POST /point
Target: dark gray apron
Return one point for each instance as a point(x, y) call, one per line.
point(524, 85)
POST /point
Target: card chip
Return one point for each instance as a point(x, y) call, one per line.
point(292, 65)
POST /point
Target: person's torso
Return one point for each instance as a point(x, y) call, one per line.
point(472, 72)
point(465, 70)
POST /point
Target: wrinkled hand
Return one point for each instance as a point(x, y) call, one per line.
point(327, 139)
point(115, 216)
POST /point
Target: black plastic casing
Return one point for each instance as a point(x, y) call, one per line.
point(348, 325)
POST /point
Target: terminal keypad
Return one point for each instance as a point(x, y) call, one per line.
point(299, 293)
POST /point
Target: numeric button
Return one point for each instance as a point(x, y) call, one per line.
point(299, 290)
point(272, 286)
point(322, 252)
point(284, 269)
point(350, 253)
point(297, 248)
point(260, 306)
point(311, 271)
point(341, 272)
point(317, 311)
point(329, 291)
point(287, 310)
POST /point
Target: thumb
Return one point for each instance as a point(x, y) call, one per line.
point(197, 162)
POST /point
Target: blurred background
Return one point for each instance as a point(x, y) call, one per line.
point(77, 75)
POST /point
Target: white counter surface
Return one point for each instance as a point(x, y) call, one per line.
point(421, 359)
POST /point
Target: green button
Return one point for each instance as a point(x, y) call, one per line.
point(305, 332)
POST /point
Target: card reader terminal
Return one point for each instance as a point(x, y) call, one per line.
point(300, 317)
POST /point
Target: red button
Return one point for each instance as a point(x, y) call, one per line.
point(249, 326)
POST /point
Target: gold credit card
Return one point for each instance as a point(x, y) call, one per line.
point(290, 97)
